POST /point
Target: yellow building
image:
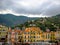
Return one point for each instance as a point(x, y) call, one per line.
point(32, 34)
point(35, 34)
point(49, 36)
point(57, 35)
point(3, 33)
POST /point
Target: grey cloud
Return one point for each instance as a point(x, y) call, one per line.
point(53, 10)
point(40, 9)
point(37, 10)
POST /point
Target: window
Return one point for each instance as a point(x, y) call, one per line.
point(34, 40)
point(28, 36)
point(24, 40)
point(28, 40)
point(48, 36)
point(25, 36)
point(34, 36)
point(31, 40)
point(43, 36)
point(2, 38)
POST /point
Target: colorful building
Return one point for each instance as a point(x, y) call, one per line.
point(14, 35)
point(28, 35)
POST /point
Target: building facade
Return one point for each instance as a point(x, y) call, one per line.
point(3, 33)
point(29, 35)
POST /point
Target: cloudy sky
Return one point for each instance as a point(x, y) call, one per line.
point(30, 8)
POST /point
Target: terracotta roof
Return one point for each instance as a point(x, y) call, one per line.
point(27, 30)
point(32, 29)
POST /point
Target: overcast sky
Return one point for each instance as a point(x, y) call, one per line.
point(30, 8)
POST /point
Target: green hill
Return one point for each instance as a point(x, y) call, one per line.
point(12, 20)
point(51, 23)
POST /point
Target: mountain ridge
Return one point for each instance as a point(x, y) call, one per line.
point(12, 20)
